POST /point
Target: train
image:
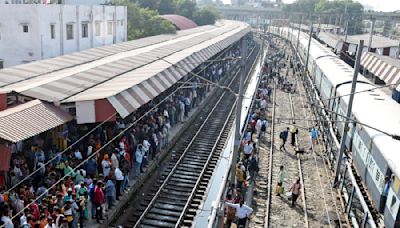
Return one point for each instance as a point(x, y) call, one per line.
point(375, 153)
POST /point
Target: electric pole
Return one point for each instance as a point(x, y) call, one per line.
point(348, 114)
point(236, 148)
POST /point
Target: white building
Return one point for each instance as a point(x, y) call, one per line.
point(30, 32)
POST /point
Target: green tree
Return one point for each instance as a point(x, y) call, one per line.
point(186, 8)
point(143, 22)
point(167, 7)
point(206, 15)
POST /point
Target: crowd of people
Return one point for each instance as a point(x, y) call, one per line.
point(64, 181)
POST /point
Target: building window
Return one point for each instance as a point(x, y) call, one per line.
point(25, 28)
point(1, 64)
point(85, 30)
point(70, 31)
point(98, 28)
point(110, 28)
point(52, 31)
point(122, 22)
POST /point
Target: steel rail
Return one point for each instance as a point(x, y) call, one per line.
point(271, 153)
point(182, 157)
point(217, 142)
point(303, 196)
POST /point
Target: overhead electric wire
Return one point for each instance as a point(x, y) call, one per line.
point(87, 134)
point(107, 143)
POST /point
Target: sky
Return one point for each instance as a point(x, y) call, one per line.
point(378, 5)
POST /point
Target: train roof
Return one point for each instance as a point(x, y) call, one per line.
point(378, 110)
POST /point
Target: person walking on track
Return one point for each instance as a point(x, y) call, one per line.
point(281, 177)
point(314, 135)
point(295, 191)
point(284, 135)
point(242, 212)
point(293, 133)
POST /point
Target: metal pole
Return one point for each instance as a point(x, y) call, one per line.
point(370, 42)
point(349, 108)
point(308, 47)
point(262, 45)
point(236, 148)
point(298, 35)
point(398, 51)
point(345, 31)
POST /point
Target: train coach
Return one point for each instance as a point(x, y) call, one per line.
point(375, 154)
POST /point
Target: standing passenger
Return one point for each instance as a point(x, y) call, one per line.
point(284, 135)
point(293, 133)
point(242, 212)
point(139, 159)
point(295, 191)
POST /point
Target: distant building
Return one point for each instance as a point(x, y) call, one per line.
point(31, 32)
point(66, 2)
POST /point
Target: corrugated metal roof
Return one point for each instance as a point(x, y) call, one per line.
point(30, 119)
point(129, 70)
point(39, 68)
point(179, 21)
point(377, 41)
point(135, 88)
point(384, 67)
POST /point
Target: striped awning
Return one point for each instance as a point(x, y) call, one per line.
point(384, 67)
point(130, 99)
point(30, 119)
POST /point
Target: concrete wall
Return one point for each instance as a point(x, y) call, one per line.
point(18, 47)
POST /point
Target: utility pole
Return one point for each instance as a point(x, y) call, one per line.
point(262, 45)
point(236, 148)
point(371, 33)
point(308, 47)
point(348, 114)
point(298, 37)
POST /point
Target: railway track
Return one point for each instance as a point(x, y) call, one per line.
point(316, 206)
point(187, 180)
point(174, 198)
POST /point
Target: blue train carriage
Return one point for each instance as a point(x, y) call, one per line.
point(332, 78)
point(376, 154)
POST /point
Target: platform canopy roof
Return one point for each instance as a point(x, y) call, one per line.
point(384, 67)
point(30, 119)
point(128, 74)
point(377, 41)
point(179, 21)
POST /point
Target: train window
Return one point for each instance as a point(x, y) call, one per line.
point(393, 203)
point(378, 176)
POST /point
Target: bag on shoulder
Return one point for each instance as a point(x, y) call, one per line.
point(281, 135)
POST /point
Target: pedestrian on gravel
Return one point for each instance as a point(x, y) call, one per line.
point(284, 135)
point(253, 167)
point(281, 177)
point(242, 212)
point(263, 127)
point(295, 191)
point(293, 133)
point(314, 135)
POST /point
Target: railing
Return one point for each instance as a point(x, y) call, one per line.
point(357, 215)
point(218, 206)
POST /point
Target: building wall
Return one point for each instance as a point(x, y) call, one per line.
point(18, 47)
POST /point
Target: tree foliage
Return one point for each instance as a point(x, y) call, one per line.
point(347, 9)
point(186, 8)
point(143, 22)
point(206, 15)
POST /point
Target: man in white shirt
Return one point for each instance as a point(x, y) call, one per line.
point(247, 149)
point(78, 154)
point(242, 212)
point(119, 177)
